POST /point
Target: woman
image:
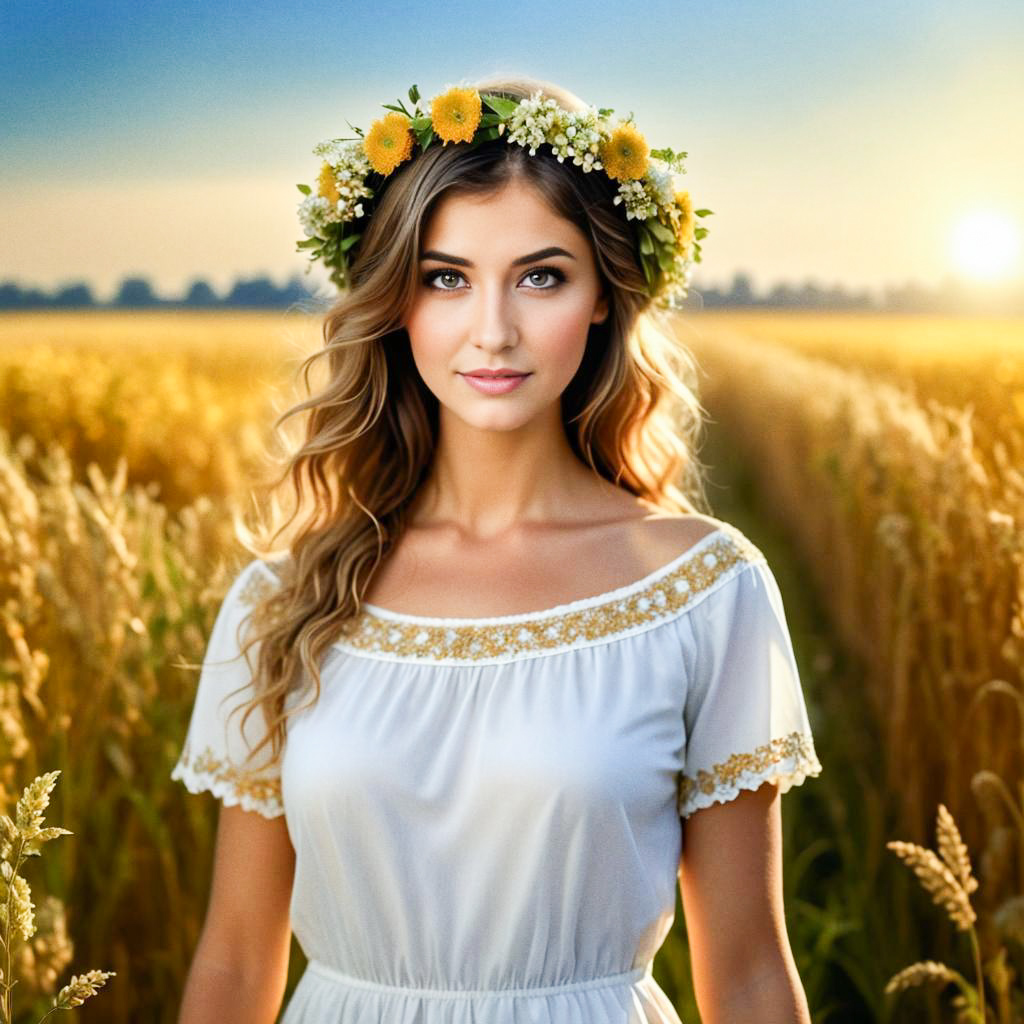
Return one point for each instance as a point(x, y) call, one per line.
point(514, 666)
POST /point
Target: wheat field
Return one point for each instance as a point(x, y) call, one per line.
point(894, 459)
point(889, 450)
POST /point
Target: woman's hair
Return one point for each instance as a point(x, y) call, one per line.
point(630, 413)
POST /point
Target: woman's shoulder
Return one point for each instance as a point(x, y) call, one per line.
point(680, 534)
point(727, 580)
point(716, 566)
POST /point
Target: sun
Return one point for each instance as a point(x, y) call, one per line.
point(986, 245)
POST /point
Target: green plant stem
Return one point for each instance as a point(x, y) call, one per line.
point(981, 978)
point(8, 986)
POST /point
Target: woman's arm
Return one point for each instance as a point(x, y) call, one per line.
point(240, 967)
point(731, 885)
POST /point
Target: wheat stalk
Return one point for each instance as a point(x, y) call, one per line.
point(949, 880)
point(21, 838)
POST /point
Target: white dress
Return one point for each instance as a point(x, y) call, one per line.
point(486, 812)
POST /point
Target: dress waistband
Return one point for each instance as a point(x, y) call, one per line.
point(623, 978)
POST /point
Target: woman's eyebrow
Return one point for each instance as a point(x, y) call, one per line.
point(540, 254)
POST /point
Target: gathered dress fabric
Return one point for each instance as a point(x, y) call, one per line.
point(487, 813)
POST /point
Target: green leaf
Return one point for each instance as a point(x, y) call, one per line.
point(347, 243)
point(500, 105)
point(414, 94)
point(660, 231)
point(310, 243)
point(304, 189)
point(702, 213)
point(668, 155)
point(421, 122)
point(606, 111)
point(666, 259)
point(699, 232)
point(487, 120)
point(649, 271)
point(399, 110)
point(426, 136)
point(646, 242)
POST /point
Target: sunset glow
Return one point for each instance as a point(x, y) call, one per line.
point(986, 245)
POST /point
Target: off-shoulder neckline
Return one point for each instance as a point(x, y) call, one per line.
point(658, 597)
point(386, 614)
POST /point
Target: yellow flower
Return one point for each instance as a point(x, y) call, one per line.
point(624, 155)
point(389, 142)
point(328, 186)
point(455, 114)
point(684, 229)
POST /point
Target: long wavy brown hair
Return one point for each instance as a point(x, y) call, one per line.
point(631, 412)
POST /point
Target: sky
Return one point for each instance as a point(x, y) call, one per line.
point(841, 143)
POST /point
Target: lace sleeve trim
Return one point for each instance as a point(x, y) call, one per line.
point(231, 785)
point(786, 760)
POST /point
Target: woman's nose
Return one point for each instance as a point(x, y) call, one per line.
point(493, 317)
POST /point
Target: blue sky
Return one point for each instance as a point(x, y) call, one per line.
point(838, 142)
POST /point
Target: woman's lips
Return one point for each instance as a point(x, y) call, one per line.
point(494, 385)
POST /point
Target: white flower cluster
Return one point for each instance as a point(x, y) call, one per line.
point(640, 204)
point(533, 120)
point(344, 155)
point(314, 215)
point(662, 182)
point(675, 284)
point(579, 138)
point(350, 166)
point(645, 196)
point(575, 134)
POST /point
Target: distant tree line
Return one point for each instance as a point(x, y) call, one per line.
point(950, 296)
point(138, 293)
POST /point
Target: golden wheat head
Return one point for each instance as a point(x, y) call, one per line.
point(953, 850)
point(924, 972)
point(937, 879)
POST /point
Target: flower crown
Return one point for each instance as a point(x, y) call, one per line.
point(333, 218)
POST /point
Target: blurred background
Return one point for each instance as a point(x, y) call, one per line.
point(857, 319)
point(865, 156)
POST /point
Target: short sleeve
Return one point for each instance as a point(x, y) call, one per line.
point(745, 718)
point(216, 746)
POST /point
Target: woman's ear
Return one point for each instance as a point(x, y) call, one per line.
point(600, 309)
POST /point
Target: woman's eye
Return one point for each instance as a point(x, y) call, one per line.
point(451, 277)
point(431, 278)
point(556, 275)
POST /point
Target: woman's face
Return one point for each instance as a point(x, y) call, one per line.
point(505, 284)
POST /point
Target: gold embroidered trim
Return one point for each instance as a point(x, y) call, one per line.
point(481, 640)
point(796, 745)
point(264, 791)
